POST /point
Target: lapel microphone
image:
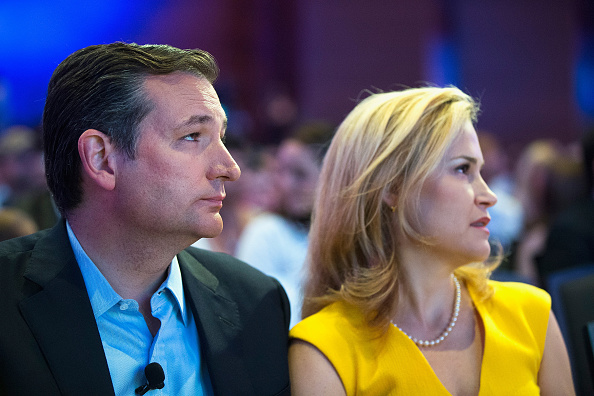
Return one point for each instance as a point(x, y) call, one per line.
point(155, 378)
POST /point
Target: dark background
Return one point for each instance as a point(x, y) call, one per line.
point(531, 62)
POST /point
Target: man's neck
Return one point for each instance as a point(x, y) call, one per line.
point(133, 266)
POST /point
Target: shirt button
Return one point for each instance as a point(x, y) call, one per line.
point(123, 306)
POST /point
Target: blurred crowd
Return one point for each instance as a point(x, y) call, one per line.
point(547, 180)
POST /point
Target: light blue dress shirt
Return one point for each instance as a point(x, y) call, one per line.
point(128, 343)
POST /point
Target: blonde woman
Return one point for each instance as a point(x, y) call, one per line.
point(398, 299)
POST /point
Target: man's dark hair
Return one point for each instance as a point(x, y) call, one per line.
point(101, 87)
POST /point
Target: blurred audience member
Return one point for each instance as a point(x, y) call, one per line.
point(15, 223)
point(570, 240)
point(549, 178)
point(22, 176)
point(40, 206)
point(240, 124)
point(281, 114)
point(19, 163)
point(506, 216)
point(276, 242)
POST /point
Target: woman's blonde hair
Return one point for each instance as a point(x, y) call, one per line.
point(389, 143)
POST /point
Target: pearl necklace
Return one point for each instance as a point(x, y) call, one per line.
point(450, 326)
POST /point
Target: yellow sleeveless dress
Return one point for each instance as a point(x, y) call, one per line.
point(515, 320)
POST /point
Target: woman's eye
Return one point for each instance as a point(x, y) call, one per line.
point(463, 168)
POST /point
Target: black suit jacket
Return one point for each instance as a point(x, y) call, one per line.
point(50, 344)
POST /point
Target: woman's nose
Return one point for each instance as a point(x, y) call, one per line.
point(485, 196)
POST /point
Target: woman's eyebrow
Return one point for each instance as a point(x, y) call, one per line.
point(467, 158)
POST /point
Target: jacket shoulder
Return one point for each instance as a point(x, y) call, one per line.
point(226, 267)
point(21, 244)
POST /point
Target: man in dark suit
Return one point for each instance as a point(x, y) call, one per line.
point(135, 160)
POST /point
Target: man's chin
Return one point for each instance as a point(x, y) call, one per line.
point(211, 232)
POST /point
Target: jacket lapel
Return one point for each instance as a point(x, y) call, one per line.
point(218, 323)
point(61, 318)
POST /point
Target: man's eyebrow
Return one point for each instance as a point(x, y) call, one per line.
point(199, 120)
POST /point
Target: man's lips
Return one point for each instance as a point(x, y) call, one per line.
point(215, 199)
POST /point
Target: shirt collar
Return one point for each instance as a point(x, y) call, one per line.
point(175, 285)
point(102, 295)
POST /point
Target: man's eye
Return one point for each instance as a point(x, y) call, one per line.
point(192, 136)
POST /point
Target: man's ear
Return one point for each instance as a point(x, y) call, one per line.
point(97, 156)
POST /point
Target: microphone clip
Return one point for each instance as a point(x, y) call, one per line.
point(155, 378)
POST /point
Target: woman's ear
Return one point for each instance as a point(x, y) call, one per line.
point(97, 156)
point(391, 199)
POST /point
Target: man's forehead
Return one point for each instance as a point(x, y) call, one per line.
point(179, 84)
point(180, 90)
point(175, 78)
